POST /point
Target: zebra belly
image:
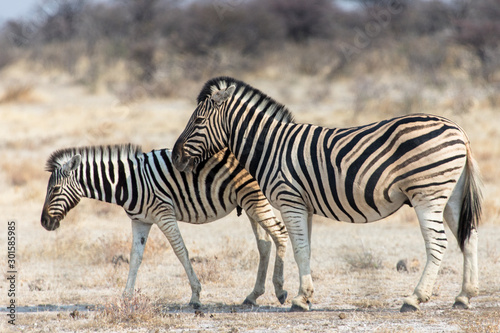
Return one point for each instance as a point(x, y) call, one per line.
point(199, 217)
point(360, 212)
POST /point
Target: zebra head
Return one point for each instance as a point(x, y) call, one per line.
point(63, 192)
point(206, 132)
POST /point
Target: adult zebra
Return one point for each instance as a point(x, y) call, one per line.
point(359, 174)
point(152, 191)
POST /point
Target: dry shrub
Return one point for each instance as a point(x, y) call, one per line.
point(362, 259)
point(136, 309)
point(20, 93)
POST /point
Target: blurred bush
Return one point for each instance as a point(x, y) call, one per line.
point(160, 42)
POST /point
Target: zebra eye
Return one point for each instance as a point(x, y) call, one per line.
point(199, 120)
point(57, 189)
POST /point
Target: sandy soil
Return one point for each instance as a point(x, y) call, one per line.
point(71, 280)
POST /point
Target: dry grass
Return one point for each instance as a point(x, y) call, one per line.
point(362, 259)
point(20, 93)
point(137, 309)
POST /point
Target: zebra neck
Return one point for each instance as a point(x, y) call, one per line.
point(254, 140)
point(113, 181)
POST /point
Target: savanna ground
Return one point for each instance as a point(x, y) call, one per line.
point(72, 279)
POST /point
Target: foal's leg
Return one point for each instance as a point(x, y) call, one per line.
point(168, 225)
point(140, 232)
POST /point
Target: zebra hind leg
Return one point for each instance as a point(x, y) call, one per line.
point(432, 228)
point(470, 269)
point(140, 232)
point(168, 225)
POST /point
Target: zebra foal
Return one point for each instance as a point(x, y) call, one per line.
point(359, 174)
point(152, 191)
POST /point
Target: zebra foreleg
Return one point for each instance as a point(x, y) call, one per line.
point(431, 225)
point(298, 229)
point(140, 233)
point(168, 225)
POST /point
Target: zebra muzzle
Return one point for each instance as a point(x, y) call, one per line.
point(182, 161)
point(50, 223)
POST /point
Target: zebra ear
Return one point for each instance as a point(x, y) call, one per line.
point(72, 164)
point(222, 95)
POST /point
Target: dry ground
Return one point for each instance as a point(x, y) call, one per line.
point(71, 279)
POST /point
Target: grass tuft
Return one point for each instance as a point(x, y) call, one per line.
point(363, 260)
point(136, 309)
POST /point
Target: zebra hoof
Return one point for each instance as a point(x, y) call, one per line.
point(409, 308)
point(247, 301)
point(460, 305)
point(195, 305)
point(282, 297)
point(299, 308)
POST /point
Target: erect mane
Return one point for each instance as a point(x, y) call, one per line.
point(61, 156)
point(275, 109)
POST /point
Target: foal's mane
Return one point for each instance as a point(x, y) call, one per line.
point(61, 156)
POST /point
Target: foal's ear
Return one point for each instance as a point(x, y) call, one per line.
point(72, 164)
point(222, 95)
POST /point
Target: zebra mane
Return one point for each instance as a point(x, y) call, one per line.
point(61, 156)
point(275, 109)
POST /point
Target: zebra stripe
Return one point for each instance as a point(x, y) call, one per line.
point(152, 191)
point(359, 174)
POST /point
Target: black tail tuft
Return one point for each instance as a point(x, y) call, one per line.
point(470, 213)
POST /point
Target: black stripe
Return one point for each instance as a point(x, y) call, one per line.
point(133, 190)
point(105, 182)
point(411, 188)
point(89, 181)
point(97, 179)
point(332, 181)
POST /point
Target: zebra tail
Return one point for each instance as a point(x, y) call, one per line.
point(470, 212)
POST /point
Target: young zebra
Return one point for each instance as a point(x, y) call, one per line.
point(152, 191)
point(360, 174)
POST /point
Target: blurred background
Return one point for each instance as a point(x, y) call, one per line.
point(165, 46)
